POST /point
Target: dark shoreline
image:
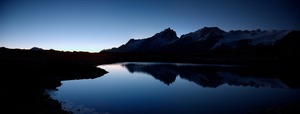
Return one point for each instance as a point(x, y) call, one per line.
point(27, 74)
point(27, 84)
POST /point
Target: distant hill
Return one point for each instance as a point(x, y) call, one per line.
point(36, 49)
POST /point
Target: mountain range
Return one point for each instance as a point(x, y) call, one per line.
point(212, 45)
point(211, 38)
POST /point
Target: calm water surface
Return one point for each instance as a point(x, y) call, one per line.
point(169, 88)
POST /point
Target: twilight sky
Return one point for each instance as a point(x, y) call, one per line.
point(93, 25)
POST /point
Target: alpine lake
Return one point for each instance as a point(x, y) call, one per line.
point(176, 88)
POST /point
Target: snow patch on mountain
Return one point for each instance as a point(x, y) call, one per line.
point(268, 37)
point(253, 81)
point(203, 33)
point(254, 38)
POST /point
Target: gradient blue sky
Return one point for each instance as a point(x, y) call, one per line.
point(93, 25)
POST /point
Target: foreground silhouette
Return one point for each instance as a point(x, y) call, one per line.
point(29, 73)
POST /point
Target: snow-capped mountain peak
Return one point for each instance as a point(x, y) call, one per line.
point(204, 33)
point(206, 39)
point(234, 39)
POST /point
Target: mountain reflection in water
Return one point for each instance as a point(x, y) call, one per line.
point(210, 75)
point(133, 88)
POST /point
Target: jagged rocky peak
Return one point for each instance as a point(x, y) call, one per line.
point(132, 40)
point(204, 33)
point(167, 33)
point(211, 29)
point(204, 39)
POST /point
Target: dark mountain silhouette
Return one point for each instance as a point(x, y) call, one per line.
point(159, 40)
point(204, 39)
point(212, 76)
point(200, 40)
point(213, 45)
point(36, 49)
